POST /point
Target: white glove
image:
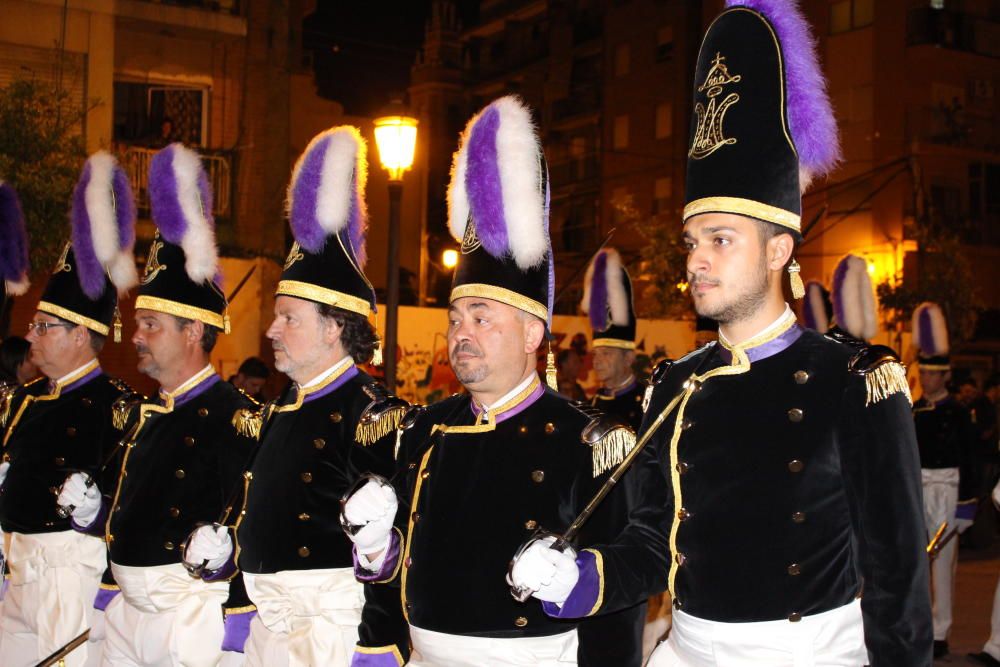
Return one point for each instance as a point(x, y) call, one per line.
point(4, 467)
point(85, 499)
point(374, 507)
point(549, 574)
point(209, 543)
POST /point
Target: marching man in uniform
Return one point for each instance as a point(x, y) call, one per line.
point(947, 443)
point(334, 424)
point(794, 530)
point(483, 471)
point(63, 421)
point(186, 450)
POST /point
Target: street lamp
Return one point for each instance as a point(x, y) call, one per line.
point(449, 258)
point(396, 138)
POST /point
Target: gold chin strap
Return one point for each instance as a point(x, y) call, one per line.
point(550, 369)
point(794, 271)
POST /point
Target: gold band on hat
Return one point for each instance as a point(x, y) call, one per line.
point(613, 342)
point(330, 297)
point(747, 207)
point(75, 318)
point(180, 310)
point(503, 295)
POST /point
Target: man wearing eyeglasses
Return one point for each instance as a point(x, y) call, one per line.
point(63, 423)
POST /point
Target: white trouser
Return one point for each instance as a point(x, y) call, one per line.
point(992, 646)
point(940, 501)
point(50, 598)
point(304, 618)
point(164, 618)
point(834, 638)
point(436, 649)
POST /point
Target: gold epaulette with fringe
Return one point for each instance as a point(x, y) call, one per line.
point(884, 374)
point(6, 398)
point(382, 416)
point(610, 439)
point(248, 422)
point(120, 411)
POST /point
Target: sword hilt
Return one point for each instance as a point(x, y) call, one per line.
point(560, 544)
point(66, 511)
point(348, 527)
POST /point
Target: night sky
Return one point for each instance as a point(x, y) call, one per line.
point(363, 51)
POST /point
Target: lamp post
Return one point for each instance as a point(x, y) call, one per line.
point(396, 138)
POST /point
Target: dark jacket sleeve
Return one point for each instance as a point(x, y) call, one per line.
point(881, 469)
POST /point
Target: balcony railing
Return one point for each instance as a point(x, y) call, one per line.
point(232, 7)
point(218, 165)
point(951, 125)
point(953, 30)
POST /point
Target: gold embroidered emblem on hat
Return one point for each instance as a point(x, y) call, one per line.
point(708, 136)
point(294, 255)
point(153, 266)
point(62, 264)
point(469, 240)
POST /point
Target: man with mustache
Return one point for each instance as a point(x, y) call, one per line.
point(481, 472)
point(186, 450)
point(793, 514)
point(334, 424)
point(63, 421)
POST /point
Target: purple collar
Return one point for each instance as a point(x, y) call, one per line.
point(195, 391)
point(516, 405)
point(81, 381)
point(604, 392)
point(767, 348)
point(337, 381)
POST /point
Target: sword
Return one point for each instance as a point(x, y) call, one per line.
point(65, 650)
point(938, 543)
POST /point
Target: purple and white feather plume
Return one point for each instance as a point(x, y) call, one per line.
point(103, 224)
point(814, 307)
point(810, 114)
point(853, 298)
point(497, 184)
point(930, 330)
point(605, 299)
point(181, 202)
point(327, 193)
point(13, 242)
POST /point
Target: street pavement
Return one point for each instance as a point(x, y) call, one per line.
point(975, 584)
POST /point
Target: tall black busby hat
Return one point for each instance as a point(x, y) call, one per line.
point(329, 219)
point(13, 245)
point(930, 336)
point(498, 209)
point(97, 263)
point(853, 298)
point(763, 126)
point(182, 271)
point(607, 299)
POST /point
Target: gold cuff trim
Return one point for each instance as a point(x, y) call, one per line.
point(180, 310)
point(380, 650)
point(613, 342)
point(110, 587)
point(323, 295)
point(399, 561)
point(239, 610)
point(503, 295)
point(75, 318)
point(599, 564)
point(740, 206)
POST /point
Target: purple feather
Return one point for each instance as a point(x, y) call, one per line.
point(124, 209)
point(163, 197)
point(837, 292)
point(88, 266)
point(305, 226)
point(810, 114)
point(482, 182)
point(599, 293)
point(927, 344)
point(13, 236)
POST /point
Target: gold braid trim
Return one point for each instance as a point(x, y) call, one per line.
point(612, 449)
point(374, 426)
point(119, 413)
point(888, 379)
point(6, 398)
point(248, 422)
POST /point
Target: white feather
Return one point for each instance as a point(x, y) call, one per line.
point(458, 198)
point(198, 241)
point(17, 287)
point(857, 299)
point(588, 280)
point(122, 272)
point(617, 296)
point(100, 202)
point(345, 156)
point(518, 158)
